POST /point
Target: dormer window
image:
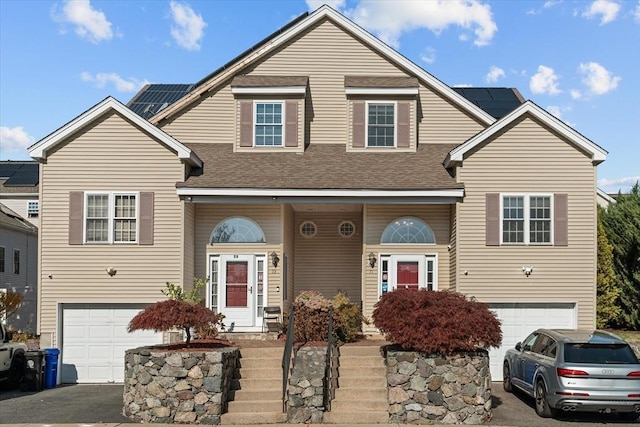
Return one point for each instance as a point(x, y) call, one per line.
point(269, 126)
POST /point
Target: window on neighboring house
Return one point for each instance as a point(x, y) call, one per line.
point(16, 261)
point(111, 218)
point(526, 219)
point(381, 124)
point(33, 209)
point(2, 267)
point(269, 124)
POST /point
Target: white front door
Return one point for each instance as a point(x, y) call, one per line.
point(237, 290)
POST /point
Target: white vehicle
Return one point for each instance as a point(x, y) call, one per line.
point(12, 359)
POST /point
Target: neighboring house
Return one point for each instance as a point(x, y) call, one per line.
point(19, 267)
point(319, 159)
point(604, 199)
point(19, 189)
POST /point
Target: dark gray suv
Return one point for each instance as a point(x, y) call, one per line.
point(575, 370)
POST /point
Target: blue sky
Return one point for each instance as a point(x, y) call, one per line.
point(578, 59)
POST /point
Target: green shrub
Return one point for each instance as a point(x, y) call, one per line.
point(436, 322)
point(312, 317)
point(350, 317)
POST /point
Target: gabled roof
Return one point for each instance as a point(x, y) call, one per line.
point(10, 219)
point(295, 28)
point(40, 149)
point(598, 154)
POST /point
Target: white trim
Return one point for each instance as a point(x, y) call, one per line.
point(13, 195)
point(283, 115)
point(602, 194)
point(277, 192)
point(395, 123)
point(598, 154)
point(381, 91)
point(357, 31)
point(110, 217)
point(527, 218)
point(392, 261)
point(275, 90)
point(40, 149)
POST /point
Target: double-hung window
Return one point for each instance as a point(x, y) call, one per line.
point(527, 219)
point(269, 124)
point(381, 124)
point(33, 209)
point(111, 218)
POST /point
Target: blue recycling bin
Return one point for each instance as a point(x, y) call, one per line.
point(51, 367)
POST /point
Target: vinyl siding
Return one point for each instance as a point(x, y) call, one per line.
point(326, 54)
point(377, 217)
point(110, 155)
point(328, 262)
point(266, 216)
point(527, 158)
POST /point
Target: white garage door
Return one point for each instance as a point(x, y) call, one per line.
point(94, 339)
point(520, 319)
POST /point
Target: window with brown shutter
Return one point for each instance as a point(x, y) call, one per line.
point(492, 219)
point(291, 124)
point(246, 123)
point(404, 125)
point(359, 123)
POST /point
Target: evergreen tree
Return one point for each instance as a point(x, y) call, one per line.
point(608, 310)
point(622, 224)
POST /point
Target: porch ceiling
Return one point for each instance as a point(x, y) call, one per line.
point(327, 207)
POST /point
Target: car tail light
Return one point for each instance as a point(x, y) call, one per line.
point(635, 374)
point(562, 372)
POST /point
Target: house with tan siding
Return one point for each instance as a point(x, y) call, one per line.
point(320, 159)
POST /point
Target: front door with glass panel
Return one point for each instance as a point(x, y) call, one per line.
point(407, 272)
point(236, 289)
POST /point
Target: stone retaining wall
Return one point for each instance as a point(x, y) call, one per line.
point(307, 384)
point(177, 386)
point(448, 390)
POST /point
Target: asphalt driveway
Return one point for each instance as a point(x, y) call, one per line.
point(92, 403)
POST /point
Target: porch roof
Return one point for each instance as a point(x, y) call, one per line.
point(323, 166)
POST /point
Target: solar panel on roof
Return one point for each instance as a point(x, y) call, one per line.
point(20, 174)
point(156, 97)
point(496, 102)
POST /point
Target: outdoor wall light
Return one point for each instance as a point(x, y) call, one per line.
point(527, 271)
point(274, 259)
point(111, 271)
point(372, 259)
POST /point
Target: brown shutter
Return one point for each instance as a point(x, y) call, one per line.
point(146, 219)
point(492, 219)
point(358, 124)
point(560, 220)
point(246, 123)
point(404, 125)
point(291, 124)
point(76, 214)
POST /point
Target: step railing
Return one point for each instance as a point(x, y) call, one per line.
point(286, 360)
point(330, 366)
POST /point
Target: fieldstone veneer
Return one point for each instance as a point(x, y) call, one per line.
point(177, 386)
point(442, 389)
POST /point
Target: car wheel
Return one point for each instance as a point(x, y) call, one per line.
point(542, 405)
point(16, 372)
point(506, 378)
point(628, 416)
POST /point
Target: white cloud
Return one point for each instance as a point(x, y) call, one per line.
point(636, 12)
point(494, 74)
point(628, 181)
point(188, 26)
point(428, 55)
point(14, 140)
point(463, 85)
point(335, 4)
point(555, 110)
point(551, 3)
point(597, 78)
point(576, 94)
point(390, 19)
point(607, 9)
point(90, 24)
point(544, 81)
point(121, 85)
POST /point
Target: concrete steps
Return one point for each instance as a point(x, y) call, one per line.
point(256, 390)
point(361, 396)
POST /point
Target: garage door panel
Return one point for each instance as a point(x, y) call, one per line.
point(520, 319)
point(94, 340)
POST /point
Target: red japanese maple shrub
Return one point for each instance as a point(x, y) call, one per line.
point(169, 314)
point(436, 322)
point(311, 312)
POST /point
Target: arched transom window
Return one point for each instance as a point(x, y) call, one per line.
point(237, 230)
point(407, 230)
